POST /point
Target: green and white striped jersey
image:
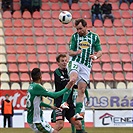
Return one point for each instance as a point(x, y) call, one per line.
point(88, 44)
point(34, 101)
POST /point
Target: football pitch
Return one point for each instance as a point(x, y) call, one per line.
point(68, 130)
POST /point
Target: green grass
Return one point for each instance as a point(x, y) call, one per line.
point(68, 130)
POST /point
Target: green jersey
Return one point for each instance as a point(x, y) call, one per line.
point(34, 101)
point(88, 44)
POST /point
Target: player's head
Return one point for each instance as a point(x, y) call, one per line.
point(81, 26)
point(36, 75)
point(62, 60)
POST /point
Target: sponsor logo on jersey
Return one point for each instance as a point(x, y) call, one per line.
point(84, 44)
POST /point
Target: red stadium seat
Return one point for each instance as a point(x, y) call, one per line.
point(124, 6)
point(104, 49)
point(57, 24)
point(98, 23)
point(48, 23)
point(14, 77)
point(65, 7)
point(85, 7)
point(27, 23)
point(115, 58)
point(109, 32)
point(129, 76)
point(40, 40)
point(105, 58)
point(8, 23)
point(29, 40)
point(117, 23)
point(129, 32)
point(131, 6)
point(45, 7)
point(46, 77)
point(119, 76)
point(75, 7)
point(51, 49)
point(12, 68)
point(33, 65)
point(60, 40)
point(39, 32)
point(55, 6)
point(68, 32)
point(55, 14)
point(22, 58)
point(107, 67)
point(49, 32)
point(98, 76)
point(50, 41)
point(86, 15)
point(117, 67)
point(7, 15)
point(62, 49)
point(113, 49)
point(52, 58)
point(53, 67)
point(11, 58)
point(108, 76)
point(119, 32)
point(23, 67)
point(126, 14)
point(28, 32)
point(127, 67)
point(30, 49)
point(76, 15)
point(115, 6)
point(17, 23)
point(103, 40)
point(122, 40)
point(19, 41)
point(17, 15)
point(124, 49)
point(9, 32)
point(107, 23)
point(36, 15)
point(125, 58)
point(96, 67)
point(42, 58)
point(18, 32)
point(59, 32)
point(46, 15)
point(117, 15)
point(128, 23)
point(32, 58)
point(9, 41)
point(38, 23)
point(44, 67)
point(21, 49)
point(10, 49)
point(26, 15)
point(24, 77)
point(41, 49)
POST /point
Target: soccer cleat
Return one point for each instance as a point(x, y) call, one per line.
point(64, 106)
point(77, 117)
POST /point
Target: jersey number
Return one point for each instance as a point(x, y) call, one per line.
point(28, 103)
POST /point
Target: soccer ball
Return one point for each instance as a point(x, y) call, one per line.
point(65, 17)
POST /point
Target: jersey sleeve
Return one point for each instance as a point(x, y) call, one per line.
point(73, 43)
point(40, 91)
point(97, 44)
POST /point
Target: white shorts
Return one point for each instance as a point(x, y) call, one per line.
point(83, 108)
point(82, 70)
point(41, 127)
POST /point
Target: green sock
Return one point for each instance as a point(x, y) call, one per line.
point(66, 95)
point(79, 131)
point(83, 124)
point(79, 106)
point(73, 128)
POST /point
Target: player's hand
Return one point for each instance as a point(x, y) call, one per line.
point(54, 107)
point(70, 84)
point(78, 52)
point(87, 103)
point(93, 57)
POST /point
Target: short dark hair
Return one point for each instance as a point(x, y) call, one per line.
point(35, 74)
point(84, 23)
point(59, 56)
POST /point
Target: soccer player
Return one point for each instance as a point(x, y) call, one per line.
point(34, 103)
point(84, 48)
point(61, 78)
